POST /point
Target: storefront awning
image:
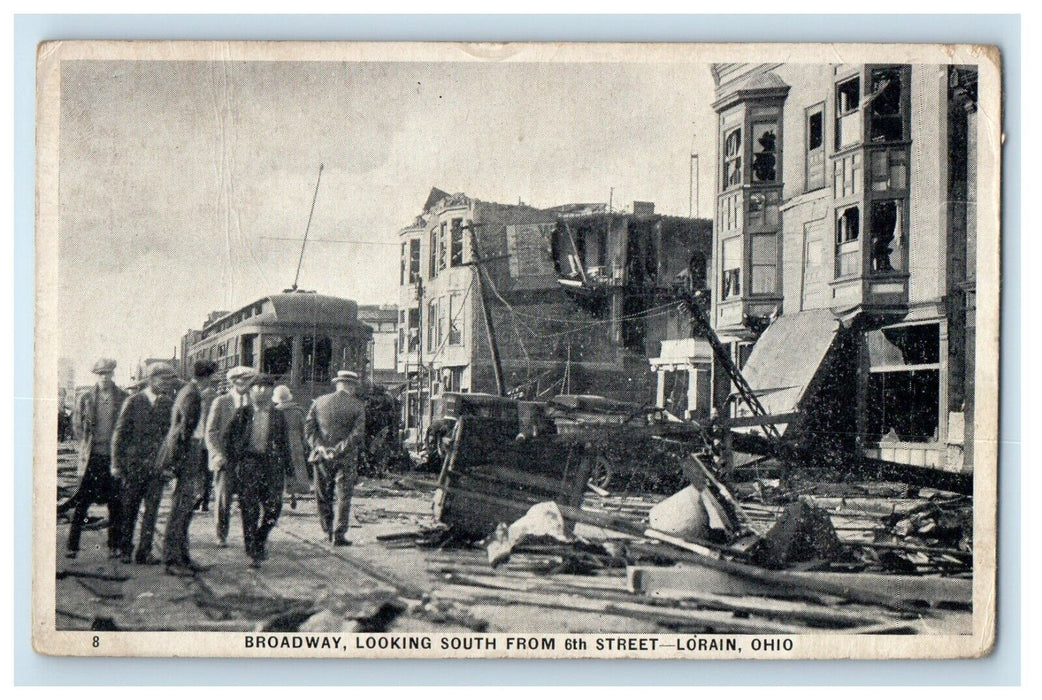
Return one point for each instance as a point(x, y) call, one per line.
point(786, 358)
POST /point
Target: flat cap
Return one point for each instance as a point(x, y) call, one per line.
point(160, 369)
point(240, 372)
point(105, 365)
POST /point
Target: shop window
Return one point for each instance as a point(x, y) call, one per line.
point(765, 160)
point(733, 158)
point(442, 248)
point(904, 384)
point(848, 233)
point(885, 116)
point(887, 240)
point(432, 271)
point(732, 268)
point(848, 113)
point(277, 357)
point(815, 147)
point(316, 354)
point(456, 243)
point(455, 319)
point(764, 272)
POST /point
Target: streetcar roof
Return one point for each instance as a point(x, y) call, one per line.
point(291, 308)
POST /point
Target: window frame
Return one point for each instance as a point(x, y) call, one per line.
point(808, 114)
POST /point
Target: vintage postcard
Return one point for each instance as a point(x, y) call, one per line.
point(393, 350)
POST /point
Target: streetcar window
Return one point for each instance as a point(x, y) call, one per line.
point(246, 349)
point(278, 354)
point(316, 355)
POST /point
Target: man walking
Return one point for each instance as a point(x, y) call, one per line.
point(182, 454)
point(334, 430)
point(258, 452)
point(99, 409)
point(222, 410)
point(136, 441)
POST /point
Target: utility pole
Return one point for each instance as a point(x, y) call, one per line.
point(490, 329)
point(692, 192)
point(419, 360)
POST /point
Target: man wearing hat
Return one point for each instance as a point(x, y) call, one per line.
point(334, 430)
point(136, 441)
point(258, 453)
point(222, 410)
point(99, 409)
point(182, 455)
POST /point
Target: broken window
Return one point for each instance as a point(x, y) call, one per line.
point(764, 264)
point(765, 161)
point(848, 230)
point(455, 319)
point(848, 113)
point(432, 271)
point(887, 239)
point(816, 147)
point(442, 247)
point(456, 258)
point(885, 116)
point(732, 268)
point(316, 354)
point(733, 158)
point(414, 261)
point(277, 355)
point(904, 383)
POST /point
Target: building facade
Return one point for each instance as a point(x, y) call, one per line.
point(383, 349)
point(845, 229)
point(575, 294)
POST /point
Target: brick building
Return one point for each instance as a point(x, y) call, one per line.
point(845, 234)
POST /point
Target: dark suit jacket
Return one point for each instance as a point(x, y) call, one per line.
point(334, 418)
point(237, 441)
point(139, 434)
point(184, 417)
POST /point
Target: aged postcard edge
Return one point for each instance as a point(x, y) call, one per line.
point(50, 54)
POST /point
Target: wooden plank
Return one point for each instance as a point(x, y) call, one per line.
point(881, 589)
point(754, 421)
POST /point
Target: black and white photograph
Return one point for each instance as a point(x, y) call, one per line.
point(395, 350)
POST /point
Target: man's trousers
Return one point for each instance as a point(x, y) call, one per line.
point(190, 471)
point(140, 487)
point(96, 486)
point(260, 502)
point(334, 485)
point(224, 488)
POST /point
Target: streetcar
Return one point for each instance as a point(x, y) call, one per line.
point(300, 338)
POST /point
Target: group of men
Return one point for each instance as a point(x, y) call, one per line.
point(252, 443)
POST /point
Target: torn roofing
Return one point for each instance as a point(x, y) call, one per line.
point(786, 358)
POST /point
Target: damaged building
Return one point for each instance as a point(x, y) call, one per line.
point(578, 295)
point(844, 273)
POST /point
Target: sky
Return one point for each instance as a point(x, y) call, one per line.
point(177, 179)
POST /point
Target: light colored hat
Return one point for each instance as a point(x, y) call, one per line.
point(105, 365)
point(160, 369)
point(345, 376)
point(282, 394)
point(239, 372)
